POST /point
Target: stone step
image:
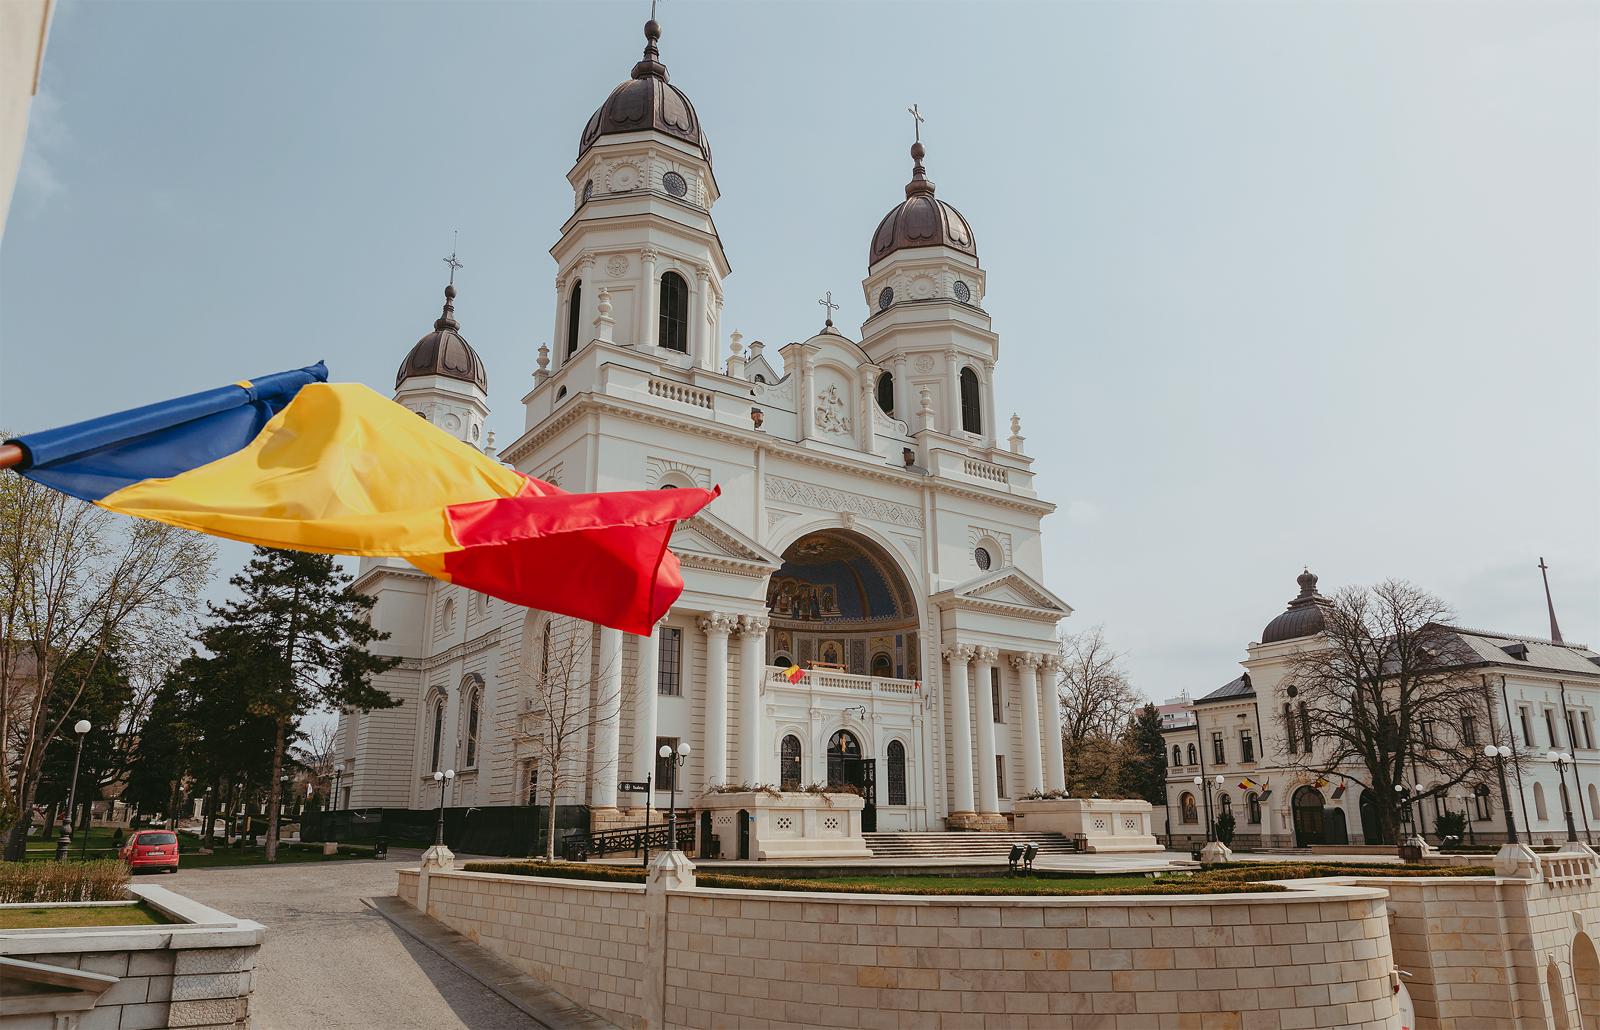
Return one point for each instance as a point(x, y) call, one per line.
point(961, 845)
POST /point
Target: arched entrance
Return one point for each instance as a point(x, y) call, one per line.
point(841, 603)
point(846, 767)
point(1308, 809)
point(1371, 831)
point(1586, 980)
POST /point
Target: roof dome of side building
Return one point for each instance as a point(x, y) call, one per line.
point(444, 352)
point(921, 220)
point(646, 102)
point(1303, 617)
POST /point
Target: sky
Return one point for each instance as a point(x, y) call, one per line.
point(1277, 284)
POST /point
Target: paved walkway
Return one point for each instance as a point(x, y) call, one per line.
point(332, 960)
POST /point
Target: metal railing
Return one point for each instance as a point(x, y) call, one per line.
point(627, 839)
point(844, 681)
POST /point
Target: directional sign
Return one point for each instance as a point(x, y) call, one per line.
point(633, 786)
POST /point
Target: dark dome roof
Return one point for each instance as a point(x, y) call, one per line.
point(921, 220)
point(444, 352)
point(647, 101)
point(1304, 615)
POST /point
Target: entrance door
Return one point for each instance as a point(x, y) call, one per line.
point(744, 834)
point(705, 836)
point(847, 767)
point(1307, 807)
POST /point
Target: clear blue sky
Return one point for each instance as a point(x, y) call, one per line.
point(1276, 283)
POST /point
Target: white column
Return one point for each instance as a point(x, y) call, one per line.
point(649, 310)
point(752, 662)
point(699, 316)
point(902, 392)
point(1027, 666)
point(952, 406)
point(588, 308)
point(558, 336)
point(603, 791)
point(866, 434)
point(960, 713)
point(716, 625)
point(1055, 773)
point(644, 711)
point(807, 399)
point(989, 414)
point(988, 792)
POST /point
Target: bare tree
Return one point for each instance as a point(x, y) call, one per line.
point(1097, 704)
point(317, 749)
point(77, 582)
point(1389, 696)
point(570, 701)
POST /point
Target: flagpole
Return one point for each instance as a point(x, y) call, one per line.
point(11, 454)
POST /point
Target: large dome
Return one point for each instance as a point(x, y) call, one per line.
point(646, 102)
point(1303, 618)
point(921, 220)
point(444, 352)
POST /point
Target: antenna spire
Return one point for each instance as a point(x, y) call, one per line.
point(1555, 630)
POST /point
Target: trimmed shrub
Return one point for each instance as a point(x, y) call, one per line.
point(28, 883)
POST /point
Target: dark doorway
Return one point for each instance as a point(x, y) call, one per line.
point(744, 834)
point(846, 767)
point(705, 836)
point(1307, 808)
point(1370, 831)
point(1334, 829)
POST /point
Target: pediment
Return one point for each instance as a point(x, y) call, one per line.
point(1007, 590)
point(706, 541)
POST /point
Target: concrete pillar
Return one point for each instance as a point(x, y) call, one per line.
point(866, 432)
point(1055, 772)
point(716, 626)
point(960, 713)
point(988, 793)
point(989, 414)
point(589, 307)
point(752, 663)
point(699, 322)
point(807, 399)
point(608, 719)
point(952, 401)
point(558, 336)
point(902, 393)
point(1027, 666)
point(644, 711)
point(650, 306)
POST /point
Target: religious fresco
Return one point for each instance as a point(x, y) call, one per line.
point(838, 603)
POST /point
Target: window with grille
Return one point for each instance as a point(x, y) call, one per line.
point(474, 706)
point(438, 732)
point(1000, 775)
point(1253, 806)
point(789, 763)
point(1219, 751)
point(674, 328)
point(1247, 744)
point(971, 407)
point(574, 315)
point(995, 697)
point(669, 667)
point(886, 393)
point(897, 773)
point(1469, 729)
point(666, 768)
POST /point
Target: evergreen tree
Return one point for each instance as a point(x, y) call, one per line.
point(295, 641)
point(1145, 774)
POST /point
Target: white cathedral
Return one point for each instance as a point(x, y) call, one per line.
point(874, 528)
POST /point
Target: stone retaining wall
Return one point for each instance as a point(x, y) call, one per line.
point(1317, 957)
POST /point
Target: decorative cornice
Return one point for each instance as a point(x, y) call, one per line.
point(793, 491)
point(466, 649)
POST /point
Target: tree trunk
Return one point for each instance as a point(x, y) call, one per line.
point(275, 787)
point(550, 825)
point(17, 839)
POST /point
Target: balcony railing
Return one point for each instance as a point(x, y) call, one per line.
point(826, 679)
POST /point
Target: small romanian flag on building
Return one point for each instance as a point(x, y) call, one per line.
point(1248, 784)
point(1338, 792)
point(1320, 782)
point(295, 462)
point(794, 674)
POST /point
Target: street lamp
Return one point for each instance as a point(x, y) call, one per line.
point(1560, 759)
point(676, 759)
point(81, 728)
point(338, 774)
point(1499, 752)
point(1206, 787)
point(442, 778)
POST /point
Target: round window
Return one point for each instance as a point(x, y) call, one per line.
point(885, 298)
point(675, 184)
point(963, 291)
point(981, 556)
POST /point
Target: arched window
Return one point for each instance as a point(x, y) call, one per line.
point(574, 312)
point(897, 773)
point(544, 654)
point(438, 732)
point(1254, 808)
point(1538, 802)
point(1480, 795)
point(971, 409)
point(1227, 804)
point(674, 329)
point(1192, 758)
point(789, 763)
point(1187, 812)
point(1177, 755)
point(844, 758)
point(474, 709)
point(886, 392)
point(882, 665)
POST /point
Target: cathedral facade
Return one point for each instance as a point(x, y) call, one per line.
point(878, 525)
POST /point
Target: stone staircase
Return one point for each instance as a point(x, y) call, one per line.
point(992, 847)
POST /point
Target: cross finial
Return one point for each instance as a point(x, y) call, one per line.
point(827, 302)
point(451, 260)
point(916, 121)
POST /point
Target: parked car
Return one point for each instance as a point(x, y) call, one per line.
point(151, 849)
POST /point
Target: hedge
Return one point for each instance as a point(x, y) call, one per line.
point(1254, 871)
point(104, 879)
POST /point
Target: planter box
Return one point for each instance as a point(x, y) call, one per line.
point(1107, 825)
point(194, 971)
point(788, 826)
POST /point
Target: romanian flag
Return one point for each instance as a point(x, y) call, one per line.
point(1248, 784)
point(1320, 782)
point(1338, 792)
point(794, 674)
point(293, 461)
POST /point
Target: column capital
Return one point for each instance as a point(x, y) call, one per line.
point(753, 625)
point(716, 623)
point(959, 653)
point(1026, 660)
point(561, 284)
point(1050, 662)
point(586, 263)
point(649, 255)
point(987, 655)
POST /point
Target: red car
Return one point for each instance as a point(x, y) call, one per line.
point(151, 849)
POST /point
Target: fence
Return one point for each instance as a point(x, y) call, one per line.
point(496, 830)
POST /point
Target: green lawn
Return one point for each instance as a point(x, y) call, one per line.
point(99, 846)
point(80, 915)
point(98, 843)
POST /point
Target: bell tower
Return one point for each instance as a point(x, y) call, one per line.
point(639, 263)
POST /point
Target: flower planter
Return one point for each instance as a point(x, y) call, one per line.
point(791, 825)
point(1108, 825)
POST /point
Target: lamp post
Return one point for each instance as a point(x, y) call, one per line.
point(338, 774)
point(1560, 759)
point(442, 778)
point(677, 758)
point(1206, 786)
point(1499, 752)
point(81, 728)
point(1466, 815)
